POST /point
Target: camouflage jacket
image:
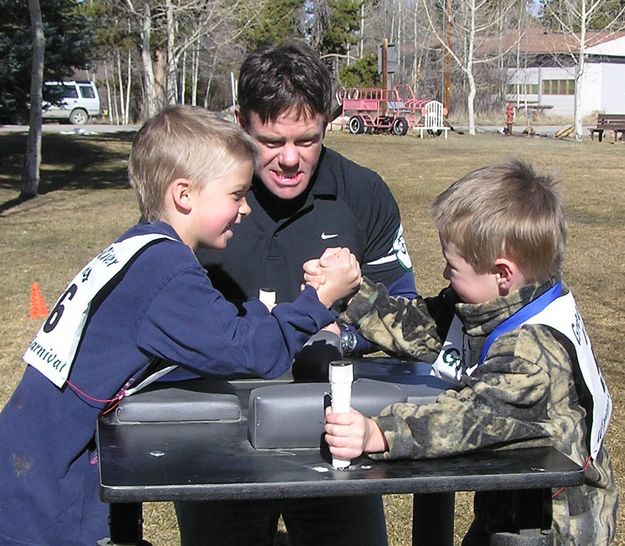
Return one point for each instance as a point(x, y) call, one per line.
point(523, 395)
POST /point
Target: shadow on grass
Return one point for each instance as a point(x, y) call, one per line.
point(68, 162)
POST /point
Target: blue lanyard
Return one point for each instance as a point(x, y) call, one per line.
point(522, 315)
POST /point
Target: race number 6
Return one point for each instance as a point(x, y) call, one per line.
point(59, 308)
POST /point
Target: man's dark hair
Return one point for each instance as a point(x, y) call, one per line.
point(289, 75)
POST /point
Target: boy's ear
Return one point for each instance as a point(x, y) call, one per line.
point(505, 270)
point(180, 190)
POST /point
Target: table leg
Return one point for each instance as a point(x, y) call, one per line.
point(534, 521)
point(535, 509)
point(126, 524)
point(433, 519)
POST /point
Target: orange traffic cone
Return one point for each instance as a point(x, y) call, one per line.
point(38, 307)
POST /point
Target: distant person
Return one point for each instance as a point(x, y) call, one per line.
point(304, 199)
point(144, 297)
point(523, 358)
point(510, 112)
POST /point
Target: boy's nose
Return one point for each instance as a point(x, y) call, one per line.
point(446, 273)
point(244, 209)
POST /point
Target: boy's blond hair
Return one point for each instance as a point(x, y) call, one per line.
point(505, 211)
point(183, 142)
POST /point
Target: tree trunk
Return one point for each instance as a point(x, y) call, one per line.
point(109, 98)
point(196, 75)
point(361, 40)
point(471, 102)
point(32, 161)
point(577, 108)
point(120, 86)
point(115, 101)
point(128, 86)
point(160, 78)
point(183, 79)
point(469, 70)
point(151, 102)
point(170, 55)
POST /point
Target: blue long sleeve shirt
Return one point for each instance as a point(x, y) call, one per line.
point(161, 305)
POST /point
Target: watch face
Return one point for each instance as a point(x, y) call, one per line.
point(348, 341)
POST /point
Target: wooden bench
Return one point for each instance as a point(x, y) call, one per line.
point(609, 122)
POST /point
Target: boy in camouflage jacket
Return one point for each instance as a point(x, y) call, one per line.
point(502, 231)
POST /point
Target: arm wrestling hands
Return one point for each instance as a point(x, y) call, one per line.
point(335, 275)
point(315, 272)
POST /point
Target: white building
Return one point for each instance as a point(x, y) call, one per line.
point(545, 76)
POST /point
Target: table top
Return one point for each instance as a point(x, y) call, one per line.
point(215, 461)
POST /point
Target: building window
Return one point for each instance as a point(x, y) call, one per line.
point(558, 87)
point(522, 89)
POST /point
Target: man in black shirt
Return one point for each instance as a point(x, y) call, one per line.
point(304, 198)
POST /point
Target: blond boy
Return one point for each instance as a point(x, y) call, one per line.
point(144, 297)
point(508, 332)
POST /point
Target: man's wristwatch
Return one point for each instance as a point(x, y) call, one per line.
point(348, 339)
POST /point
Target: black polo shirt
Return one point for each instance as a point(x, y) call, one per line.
point(344, 205)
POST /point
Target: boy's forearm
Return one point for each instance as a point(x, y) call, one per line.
point(375, 441)
point(405, 287)
point(507, 404)
point(363, 302)
point(399, 325)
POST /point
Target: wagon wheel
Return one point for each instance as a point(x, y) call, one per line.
point(356, 125)
point(400, 127)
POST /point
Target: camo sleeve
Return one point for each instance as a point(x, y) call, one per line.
point(401, 326)
point(505, 402)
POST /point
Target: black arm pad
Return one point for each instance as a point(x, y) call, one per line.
point(181, 401)
point(291, 416)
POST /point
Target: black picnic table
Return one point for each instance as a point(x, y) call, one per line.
point(204, 461)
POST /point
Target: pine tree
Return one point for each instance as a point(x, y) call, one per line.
point(68, 46)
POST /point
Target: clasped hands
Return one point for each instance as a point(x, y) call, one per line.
point(335, 275)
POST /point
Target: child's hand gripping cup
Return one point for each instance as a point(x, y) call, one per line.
point(341, 375)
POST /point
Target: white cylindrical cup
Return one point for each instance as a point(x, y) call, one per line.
point(341, 374)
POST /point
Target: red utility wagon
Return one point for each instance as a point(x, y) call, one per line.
point(375, 110)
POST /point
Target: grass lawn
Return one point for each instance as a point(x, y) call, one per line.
point(85, 203)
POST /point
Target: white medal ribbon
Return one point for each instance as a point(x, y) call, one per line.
point(53, 350)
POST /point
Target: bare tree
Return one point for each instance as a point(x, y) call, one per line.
point(183, 26)
point(405, 24)
point(141, 10)
point(32, 162)
point(574, 18)
point(473, 22)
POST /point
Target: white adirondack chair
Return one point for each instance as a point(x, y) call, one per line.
point(433, 119)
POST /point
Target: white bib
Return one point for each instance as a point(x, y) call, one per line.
point(53, 350)
point(561, 315)
point(450, 363)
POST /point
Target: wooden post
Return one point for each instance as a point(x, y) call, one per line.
point(447, 58)
point(383, 105)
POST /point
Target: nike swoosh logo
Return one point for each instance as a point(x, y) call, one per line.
point(325, 236)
